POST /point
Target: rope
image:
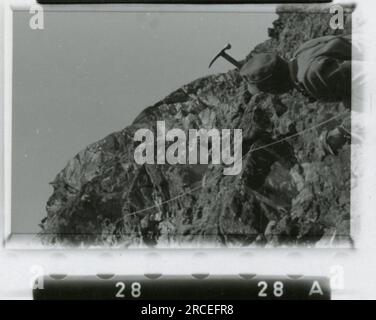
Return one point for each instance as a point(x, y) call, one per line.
point(250, 151)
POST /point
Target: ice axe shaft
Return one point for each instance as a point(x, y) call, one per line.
point(226, 56)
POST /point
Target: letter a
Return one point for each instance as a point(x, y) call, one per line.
point(337, 20)
point(315, 289)
point(144, 152)
point(37, 19)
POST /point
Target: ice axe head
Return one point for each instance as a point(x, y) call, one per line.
point(224, 55)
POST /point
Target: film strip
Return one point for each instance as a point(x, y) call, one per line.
point(191, 287)
point(201, 287)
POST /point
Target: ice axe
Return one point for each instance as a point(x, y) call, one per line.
point(226, 56)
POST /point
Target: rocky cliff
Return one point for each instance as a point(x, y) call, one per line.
point(287, 192)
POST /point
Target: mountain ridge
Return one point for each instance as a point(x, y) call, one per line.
point(287, 193)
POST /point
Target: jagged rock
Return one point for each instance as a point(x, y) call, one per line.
point(286, 192)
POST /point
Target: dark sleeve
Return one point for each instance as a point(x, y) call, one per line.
point(313, 43)
point(329, 79)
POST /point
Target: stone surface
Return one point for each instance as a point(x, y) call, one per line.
point(287, 192)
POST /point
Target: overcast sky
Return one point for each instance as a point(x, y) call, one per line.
point(88, 74)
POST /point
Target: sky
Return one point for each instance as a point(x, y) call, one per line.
point(88, 74)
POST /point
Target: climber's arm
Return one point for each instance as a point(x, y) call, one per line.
point(329, 79)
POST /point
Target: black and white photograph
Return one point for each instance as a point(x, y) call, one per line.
point(187, 129)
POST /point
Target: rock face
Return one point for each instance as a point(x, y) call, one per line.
point(287, 192)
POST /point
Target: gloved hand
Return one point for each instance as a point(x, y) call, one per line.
point(332, 141)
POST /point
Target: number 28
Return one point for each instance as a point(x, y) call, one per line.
point(135, 290)
point(277, 289)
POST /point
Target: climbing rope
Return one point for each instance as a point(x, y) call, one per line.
point(250, 151)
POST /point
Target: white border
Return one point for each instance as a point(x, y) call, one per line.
point(8, 80)
point(131, 7)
